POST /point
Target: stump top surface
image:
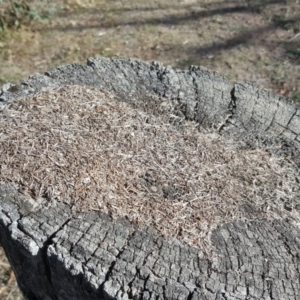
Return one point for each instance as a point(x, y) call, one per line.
point(83, 147)
point(188, 186)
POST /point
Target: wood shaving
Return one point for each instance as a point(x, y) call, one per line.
point(84, 147)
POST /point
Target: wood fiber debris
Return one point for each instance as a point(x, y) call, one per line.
point(82, 146)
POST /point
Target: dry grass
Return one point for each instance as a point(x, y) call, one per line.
point(231, 37)
point(81, 146)
point(8, 285)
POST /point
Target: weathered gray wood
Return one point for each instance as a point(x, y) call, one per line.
point(59, 255)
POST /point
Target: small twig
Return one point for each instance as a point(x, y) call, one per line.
point(294, 37)
point(224, 122)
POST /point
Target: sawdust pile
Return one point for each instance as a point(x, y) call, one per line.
point(81, 146)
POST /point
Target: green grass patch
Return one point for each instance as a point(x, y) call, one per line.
point(296, 96)
point(14, 14)
point(282, 21)
point(294, 51)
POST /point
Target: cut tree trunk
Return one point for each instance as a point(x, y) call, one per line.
point(59, 254)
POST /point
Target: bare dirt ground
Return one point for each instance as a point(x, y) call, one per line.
point(243, 40)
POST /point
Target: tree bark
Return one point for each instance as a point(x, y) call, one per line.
point(57, 254)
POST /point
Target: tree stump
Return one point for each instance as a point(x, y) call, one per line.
point(58, 252)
